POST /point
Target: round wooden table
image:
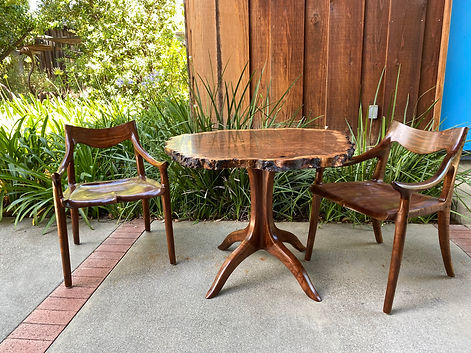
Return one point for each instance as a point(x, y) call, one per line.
point(262, 152)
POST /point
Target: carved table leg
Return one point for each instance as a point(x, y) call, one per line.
point(287, 237)
point(261, 233)
point(232, 238)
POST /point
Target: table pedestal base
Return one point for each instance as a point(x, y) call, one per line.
point(261, 233)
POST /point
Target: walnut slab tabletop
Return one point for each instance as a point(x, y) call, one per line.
point(262, 152)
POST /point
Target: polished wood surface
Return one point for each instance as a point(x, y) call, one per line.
point(106, 192)
point(261, 233)
point(398, 201)
point(268, 149)
point(263, 152)
point(113, 191)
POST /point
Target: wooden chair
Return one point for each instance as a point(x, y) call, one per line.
point(106, 192)
point(397, 201)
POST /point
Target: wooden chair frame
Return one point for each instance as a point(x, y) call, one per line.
point(103, 138)
point(417, 141)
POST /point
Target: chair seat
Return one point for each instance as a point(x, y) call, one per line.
point(376, 199)
point(112, 191)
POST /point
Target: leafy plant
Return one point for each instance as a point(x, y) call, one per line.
point(15, 24)
point(128, 47)
point(32, 146)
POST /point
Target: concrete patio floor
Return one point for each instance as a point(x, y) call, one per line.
point(147, 305)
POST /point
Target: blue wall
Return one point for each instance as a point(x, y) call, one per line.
point(456, 105)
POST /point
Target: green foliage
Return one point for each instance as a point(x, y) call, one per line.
point(15, 24)
point(32, 146)
point(129, 47)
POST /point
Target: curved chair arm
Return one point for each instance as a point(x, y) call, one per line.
point(375, 152)
point(143, 153)
point(407, 188)
point(56, 181)
point(65, 162)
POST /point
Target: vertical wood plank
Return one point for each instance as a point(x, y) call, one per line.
point(234, 34)
point(375, 40)
point(316, 30)
point(287, 56)
point(260, 49)
point(345, 60)
point(405, 45)
point(201, 34)
point(335, 48)
point(430, 57)
point(189, 49)
point(442, 62)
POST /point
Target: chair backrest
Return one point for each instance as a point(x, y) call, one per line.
point(99, 138)
point(425, 142)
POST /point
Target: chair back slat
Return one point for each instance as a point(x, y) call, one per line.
point(423, 142)
point(100, 138)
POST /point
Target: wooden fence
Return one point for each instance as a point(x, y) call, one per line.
point(60, 41)
point(334, 51)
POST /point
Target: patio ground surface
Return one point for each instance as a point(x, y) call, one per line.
point(144, 304)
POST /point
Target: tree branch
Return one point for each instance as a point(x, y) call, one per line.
point(14, 45)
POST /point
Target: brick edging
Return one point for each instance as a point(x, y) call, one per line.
point(39, 330)
point(461, 236)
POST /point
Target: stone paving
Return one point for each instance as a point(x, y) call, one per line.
point(52, 316)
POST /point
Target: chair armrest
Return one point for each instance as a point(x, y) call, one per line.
point(374, 152)
point(407, 188)
point(64, 164)
point(143, 153)
point(161, 165)
point(57, 184)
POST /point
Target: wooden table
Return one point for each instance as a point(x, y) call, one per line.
point(262, 152)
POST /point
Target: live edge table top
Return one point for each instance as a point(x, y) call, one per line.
point(273, 150)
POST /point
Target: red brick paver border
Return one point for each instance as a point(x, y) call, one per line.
point(37, 332)
point(461, 236)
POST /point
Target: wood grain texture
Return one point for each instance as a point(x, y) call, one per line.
point(108, 192)
point(405, 46)
point(316, 32)
point(430, 56)
point(234, 34)
point(260, 50)
point(344, 63)
point(269, 149)
point(201, 28)
point(287, 56)
point(442, 62)
point(375, 43)
point(335, 48)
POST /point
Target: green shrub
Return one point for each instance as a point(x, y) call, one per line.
point(128, 47)
point(32, 147)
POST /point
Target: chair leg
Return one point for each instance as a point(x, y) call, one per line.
point(64, 244)
point(316, 202)
point(75, 225)
point(444, 238)
point(377, 230)
point(168, 226)
point(396, 257)
point(146, 214)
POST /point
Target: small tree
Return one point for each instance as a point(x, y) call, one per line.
point(127, 46)
point(15, 24)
